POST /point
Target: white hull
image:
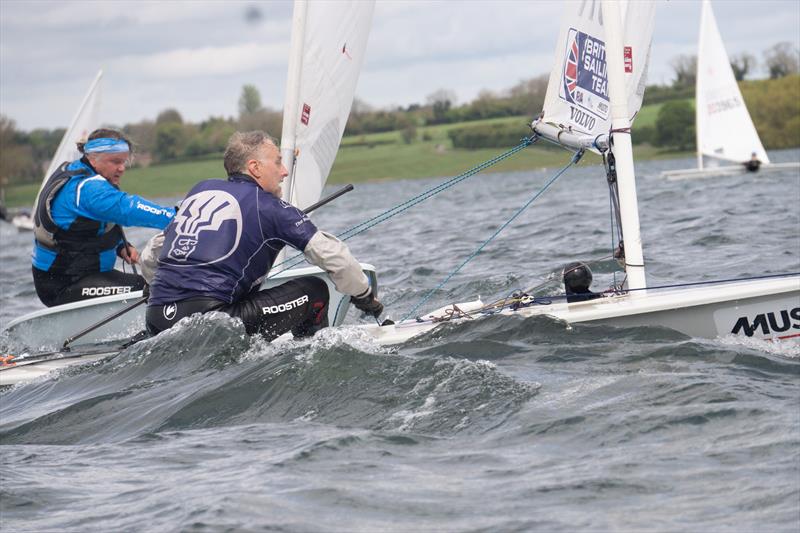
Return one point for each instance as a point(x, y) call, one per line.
point(47, 329)
point(24, 373)
point(728, 170)
point(764, 309)
point(22, 222)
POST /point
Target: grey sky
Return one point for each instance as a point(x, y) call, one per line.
point(196, 55)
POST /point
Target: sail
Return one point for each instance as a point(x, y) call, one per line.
point(577, 94)
point(83, 123)
point(724, 127)
point(329, 41)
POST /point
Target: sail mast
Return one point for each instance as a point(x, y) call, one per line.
point(290, 107)
point(622, 148)
point(698, 83)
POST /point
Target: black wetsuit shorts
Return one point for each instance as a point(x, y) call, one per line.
point(56, 290)
point(299, 306)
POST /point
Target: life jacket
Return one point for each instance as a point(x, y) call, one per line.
point(78, 247)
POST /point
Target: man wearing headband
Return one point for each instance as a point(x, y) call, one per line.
point(77, 224)
point(224, 240)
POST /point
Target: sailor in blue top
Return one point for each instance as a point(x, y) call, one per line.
point(77, 222)
point(224, 240)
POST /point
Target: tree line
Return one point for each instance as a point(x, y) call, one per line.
point(26, 155)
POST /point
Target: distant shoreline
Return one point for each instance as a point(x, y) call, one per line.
point(353, 165)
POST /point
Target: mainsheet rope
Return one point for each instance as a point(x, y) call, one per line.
point(399, 208)
point(575, 158)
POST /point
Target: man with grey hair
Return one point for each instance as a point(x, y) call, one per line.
point(224, 240)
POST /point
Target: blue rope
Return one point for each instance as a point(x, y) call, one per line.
point(396, 210)
point(575, 158)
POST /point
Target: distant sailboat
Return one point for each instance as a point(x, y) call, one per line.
point(725, 131)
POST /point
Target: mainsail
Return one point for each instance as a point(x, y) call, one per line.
point(724, 127)
point(329, 41)
point(577, 97)
point(85, 120)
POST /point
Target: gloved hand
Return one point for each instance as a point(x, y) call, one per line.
point(368, 304)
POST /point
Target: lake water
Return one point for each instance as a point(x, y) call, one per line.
point(502, 424)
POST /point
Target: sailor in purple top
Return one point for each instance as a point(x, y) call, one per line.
point(224, 240)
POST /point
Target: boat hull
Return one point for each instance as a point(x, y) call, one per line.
point(48, 328)
point(729, 170)
point(763, 309)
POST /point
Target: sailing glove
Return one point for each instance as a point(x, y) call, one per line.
point(368, 304)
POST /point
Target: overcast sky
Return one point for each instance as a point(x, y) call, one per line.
point(195, 56)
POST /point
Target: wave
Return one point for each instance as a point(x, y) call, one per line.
point(208, 373)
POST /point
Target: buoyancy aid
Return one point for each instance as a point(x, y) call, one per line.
point(77, 248)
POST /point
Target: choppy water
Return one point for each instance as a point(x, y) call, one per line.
point(498, 425)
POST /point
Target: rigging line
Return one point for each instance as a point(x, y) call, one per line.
point(711, 282)
point(389, 213)
point(575, 158)
point(609, 163)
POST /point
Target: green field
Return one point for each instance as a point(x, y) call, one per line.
point(374, 157)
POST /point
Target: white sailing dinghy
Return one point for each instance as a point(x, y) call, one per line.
point(83, 123)
point(328, 47)
point(725, 132)
point(598, 54)
point(23, 222)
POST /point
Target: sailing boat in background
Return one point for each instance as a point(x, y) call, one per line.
point(595, 91)
point(725, 131)
point(85, 120)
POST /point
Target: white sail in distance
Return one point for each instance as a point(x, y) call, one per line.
point(577, 94)
point(724, 127)
point(329, 41)
point(85, 121)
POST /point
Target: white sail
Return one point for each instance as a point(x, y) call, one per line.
point(86, 120)
point(577, 94)
point(329, 41)
point(724, 127)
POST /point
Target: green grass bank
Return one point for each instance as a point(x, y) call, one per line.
point(374, 157)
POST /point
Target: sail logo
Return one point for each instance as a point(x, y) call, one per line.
point(584, 82)
point(628, 56)
point(768, 324)
point(215, 212)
